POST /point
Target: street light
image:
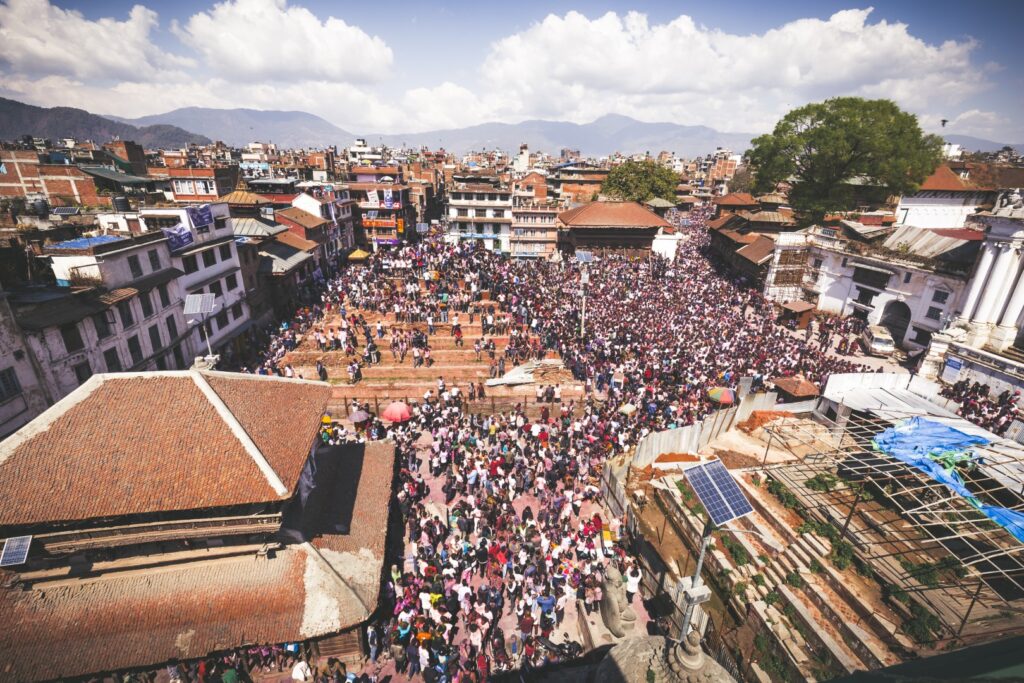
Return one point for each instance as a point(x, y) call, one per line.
point(584, 281)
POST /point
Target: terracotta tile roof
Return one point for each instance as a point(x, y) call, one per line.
point(613, 215)
point(722, 221)
point(295, 242)
point(758, 251)
point(136, 443)
point(244, 198)
point(736, 199)
point(303, 218)
point(943, 179)
point(774, 217)
point(739, 237)
point(796, 386)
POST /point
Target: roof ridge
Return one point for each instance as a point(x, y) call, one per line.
point(239, 431)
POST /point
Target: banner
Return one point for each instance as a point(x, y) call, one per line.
point(200, 215)
point(371, 215)
point(401, 225)
point(371, 198)
point(389, 201)
point(179, 237)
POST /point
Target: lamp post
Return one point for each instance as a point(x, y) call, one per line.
point(584, 281)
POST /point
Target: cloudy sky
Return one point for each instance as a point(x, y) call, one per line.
point(735, 65)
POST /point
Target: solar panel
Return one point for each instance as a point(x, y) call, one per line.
point(199, 303)
point(65, 211)
point(718, 492)
point(15, 551)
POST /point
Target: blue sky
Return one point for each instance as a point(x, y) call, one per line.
point(409, 66)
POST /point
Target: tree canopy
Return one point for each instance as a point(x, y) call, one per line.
point(843, 152)
point(639, 181)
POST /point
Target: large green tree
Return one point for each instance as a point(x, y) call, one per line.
point(640, 181)
point(843, 152)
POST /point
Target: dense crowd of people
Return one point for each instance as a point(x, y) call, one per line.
point(977, 405)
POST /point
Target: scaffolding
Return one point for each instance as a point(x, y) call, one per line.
point(918, 538)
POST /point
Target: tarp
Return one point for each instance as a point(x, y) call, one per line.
point(937, 450)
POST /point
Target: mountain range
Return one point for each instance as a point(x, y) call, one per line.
point(296, 129)
point(18, 119)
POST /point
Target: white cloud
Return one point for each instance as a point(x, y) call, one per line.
point(575, 67)
point(268, 40)
point(37, 38)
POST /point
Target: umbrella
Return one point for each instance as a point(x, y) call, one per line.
point(358, 255)
point(326, 419)
point(627, 409)
point(722, 395)
point(397, 412)
point(358, 416)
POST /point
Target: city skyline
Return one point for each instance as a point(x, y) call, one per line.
point(731, 68)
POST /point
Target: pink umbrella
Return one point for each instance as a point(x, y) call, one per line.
point(397, 412)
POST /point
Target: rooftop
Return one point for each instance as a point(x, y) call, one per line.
point(613, 215)
point(736, 199)
point(303, 218)
point(115, 446)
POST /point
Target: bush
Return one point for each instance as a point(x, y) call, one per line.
point(739, 554)
point(822, 483)
point(759, 580)
point(795, 580)
point(841, 555)
point(739, 588)
point(755, 479)
point(923, 626)
point(772, 598)
point(815, 566)
point(784, 495)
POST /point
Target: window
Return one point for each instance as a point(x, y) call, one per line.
point(225, 252)
point(154, 338)
point(82, 372)
point(184, 187)
point(922, 336)
point(72, 337)
point(102, 324)
point(154, 260)
point(135, 349)
point(165, 300)
point(216, 289)
point(125, 309)
point(112, 360)
point(161, 363)
point(222, 320)
point(147, 304)
point(231, 282)
point(236, 311)
point(845, 261)
point(135, 266)
point(906, 277)
point(9, 385)
point(179, 358)
point(189, 264)
point(934, 313)
point(172, 327)
point(940, 297)
point(209, 258)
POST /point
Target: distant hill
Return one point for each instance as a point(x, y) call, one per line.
point(18, 119)
point(972, 144)
point(608, 134)
point(239, 127)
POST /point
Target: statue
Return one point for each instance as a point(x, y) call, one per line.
point(646, 658)
point(617, 613)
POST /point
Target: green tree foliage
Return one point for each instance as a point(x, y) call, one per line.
point(639, 181)
point(842, 152)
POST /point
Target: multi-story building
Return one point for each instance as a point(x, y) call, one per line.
point(481, 211)
point(577, 183)
point(22, 395)
point(29, 175)
point(202, 184)
point(386, 212)
point(118, 306)
point(202, 246)
point(944, 200)
point(534, 232)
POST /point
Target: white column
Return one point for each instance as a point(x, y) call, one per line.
point(993, 297)
point(978, 283)
point(1016, 305)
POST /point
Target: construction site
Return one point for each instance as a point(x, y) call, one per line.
point(857, 556)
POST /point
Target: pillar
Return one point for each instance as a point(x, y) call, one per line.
point(993, 297)
point(978, 283)
point(1006, 333)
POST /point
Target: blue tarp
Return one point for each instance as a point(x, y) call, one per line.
point(936, 449)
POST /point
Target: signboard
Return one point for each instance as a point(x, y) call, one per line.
point(401, 225)
point(179, 237)
point(200, 215)
point(389, 199)
point(951, 370)
point(422, 228)
point(371, 198)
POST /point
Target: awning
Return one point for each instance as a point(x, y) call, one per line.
point(877, 269)
point(798, 306)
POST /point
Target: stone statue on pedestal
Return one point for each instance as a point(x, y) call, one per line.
point(616, 612)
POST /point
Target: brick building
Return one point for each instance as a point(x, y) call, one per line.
point(24, 174)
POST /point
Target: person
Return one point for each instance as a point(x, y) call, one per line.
point(302, 671)
point(373, 641)
point(321, 371)
point(632, 582)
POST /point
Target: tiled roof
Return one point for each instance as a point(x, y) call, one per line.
point(768, 217)
point(130, 443)
point(758, 251)
point(277, 258)
point(736, 199)
point(250, 226)
point(295, 242)
point(303, 218)
point(244, 198)
point(612, 215)
point(185, 611)
point(943, 179)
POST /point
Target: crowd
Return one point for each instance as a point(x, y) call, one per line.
point(977, 405)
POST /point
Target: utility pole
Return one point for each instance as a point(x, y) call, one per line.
point(696, 593)
point(584, 281)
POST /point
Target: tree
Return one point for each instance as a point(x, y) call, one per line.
point(842, 152)
point(742, 180)
point(639, 181)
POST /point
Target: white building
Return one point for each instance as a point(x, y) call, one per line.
point(480, 211)
point(120, 308)
point(206, 253)
point(944, 200)
point(22, 395)
point(332, 203)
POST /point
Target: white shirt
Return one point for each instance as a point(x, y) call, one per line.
point(301, 672)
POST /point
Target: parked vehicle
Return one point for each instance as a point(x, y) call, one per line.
point(877, 341)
